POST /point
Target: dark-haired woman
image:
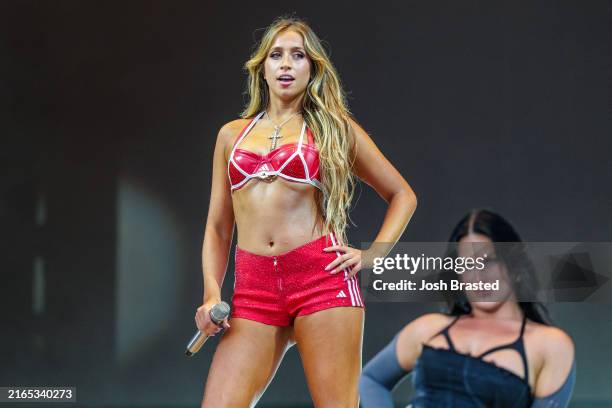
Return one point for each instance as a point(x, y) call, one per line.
point(488, 351)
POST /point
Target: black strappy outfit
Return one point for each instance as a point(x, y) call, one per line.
point(448, 378)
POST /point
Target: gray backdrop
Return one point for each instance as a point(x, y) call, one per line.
point(109, 113)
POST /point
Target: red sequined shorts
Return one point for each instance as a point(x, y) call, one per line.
point(276, 289)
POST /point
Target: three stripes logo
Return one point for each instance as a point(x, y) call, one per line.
point(351, 283)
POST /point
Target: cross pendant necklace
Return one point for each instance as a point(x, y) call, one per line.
point(275, 136)
point(277, 128)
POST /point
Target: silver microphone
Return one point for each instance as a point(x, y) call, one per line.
point(217, 313)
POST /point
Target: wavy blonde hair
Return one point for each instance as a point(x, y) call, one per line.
point(326, 113)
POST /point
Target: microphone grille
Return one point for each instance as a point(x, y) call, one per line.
point(219, 312)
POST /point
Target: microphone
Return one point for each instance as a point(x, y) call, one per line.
point(217, 313)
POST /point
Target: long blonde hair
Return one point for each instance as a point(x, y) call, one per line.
point(326, 113)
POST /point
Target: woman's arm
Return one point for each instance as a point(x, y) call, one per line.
point(218, 232)
point(371, 166)
point(379, 377)
point(374, 169)
point(561, 397)
point(555, 381)
point(383, 372)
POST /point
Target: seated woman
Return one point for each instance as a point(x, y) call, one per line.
point(487, 351)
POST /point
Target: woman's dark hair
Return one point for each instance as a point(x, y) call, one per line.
point(520, 268)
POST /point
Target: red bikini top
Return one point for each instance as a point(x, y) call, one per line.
point(297, 162)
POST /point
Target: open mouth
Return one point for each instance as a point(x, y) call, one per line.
point(286, 79)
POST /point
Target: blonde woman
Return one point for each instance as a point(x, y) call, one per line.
point(284, 174)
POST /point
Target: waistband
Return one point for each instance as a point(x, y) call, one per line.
point(318, 242)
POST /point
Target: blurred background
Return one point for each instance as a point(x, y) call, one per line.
point(109, 111)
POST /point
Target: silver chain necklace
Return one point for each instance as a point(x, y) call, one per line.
point(277, 128)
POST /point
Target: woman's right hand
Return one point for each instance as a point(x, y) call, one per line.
point(203, 321)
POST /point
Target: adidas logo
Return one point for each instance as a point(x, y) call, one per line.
point(264, 167)
point(341, 294)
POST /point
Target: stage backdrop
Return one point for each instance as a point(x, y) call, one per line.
point(109, 113)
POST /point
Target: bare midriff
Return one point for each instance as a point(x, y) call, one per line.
point(275, 216)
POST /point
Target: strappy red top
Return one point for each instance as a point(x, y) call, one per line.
point(297, 162)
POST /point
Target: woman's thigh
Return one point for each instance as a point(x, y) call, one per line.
point(244, 363)
point(330, 343)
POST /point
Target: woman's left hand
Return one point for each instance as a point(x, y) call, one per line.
point(349, 260)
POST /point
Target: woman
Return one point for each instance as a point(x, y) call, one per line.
point(284, 174)
point(491, 350)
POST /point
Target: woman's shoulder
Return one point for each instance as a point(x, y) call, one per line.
point(412, 337)
point(426, 326)
point(230, 130)
point(554, 354)
point(553, 348)
point(228, 134)
point(555, 339)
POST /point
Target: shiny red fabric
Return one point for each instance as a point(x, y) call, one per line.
point(274, 290)
point(282, 161)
